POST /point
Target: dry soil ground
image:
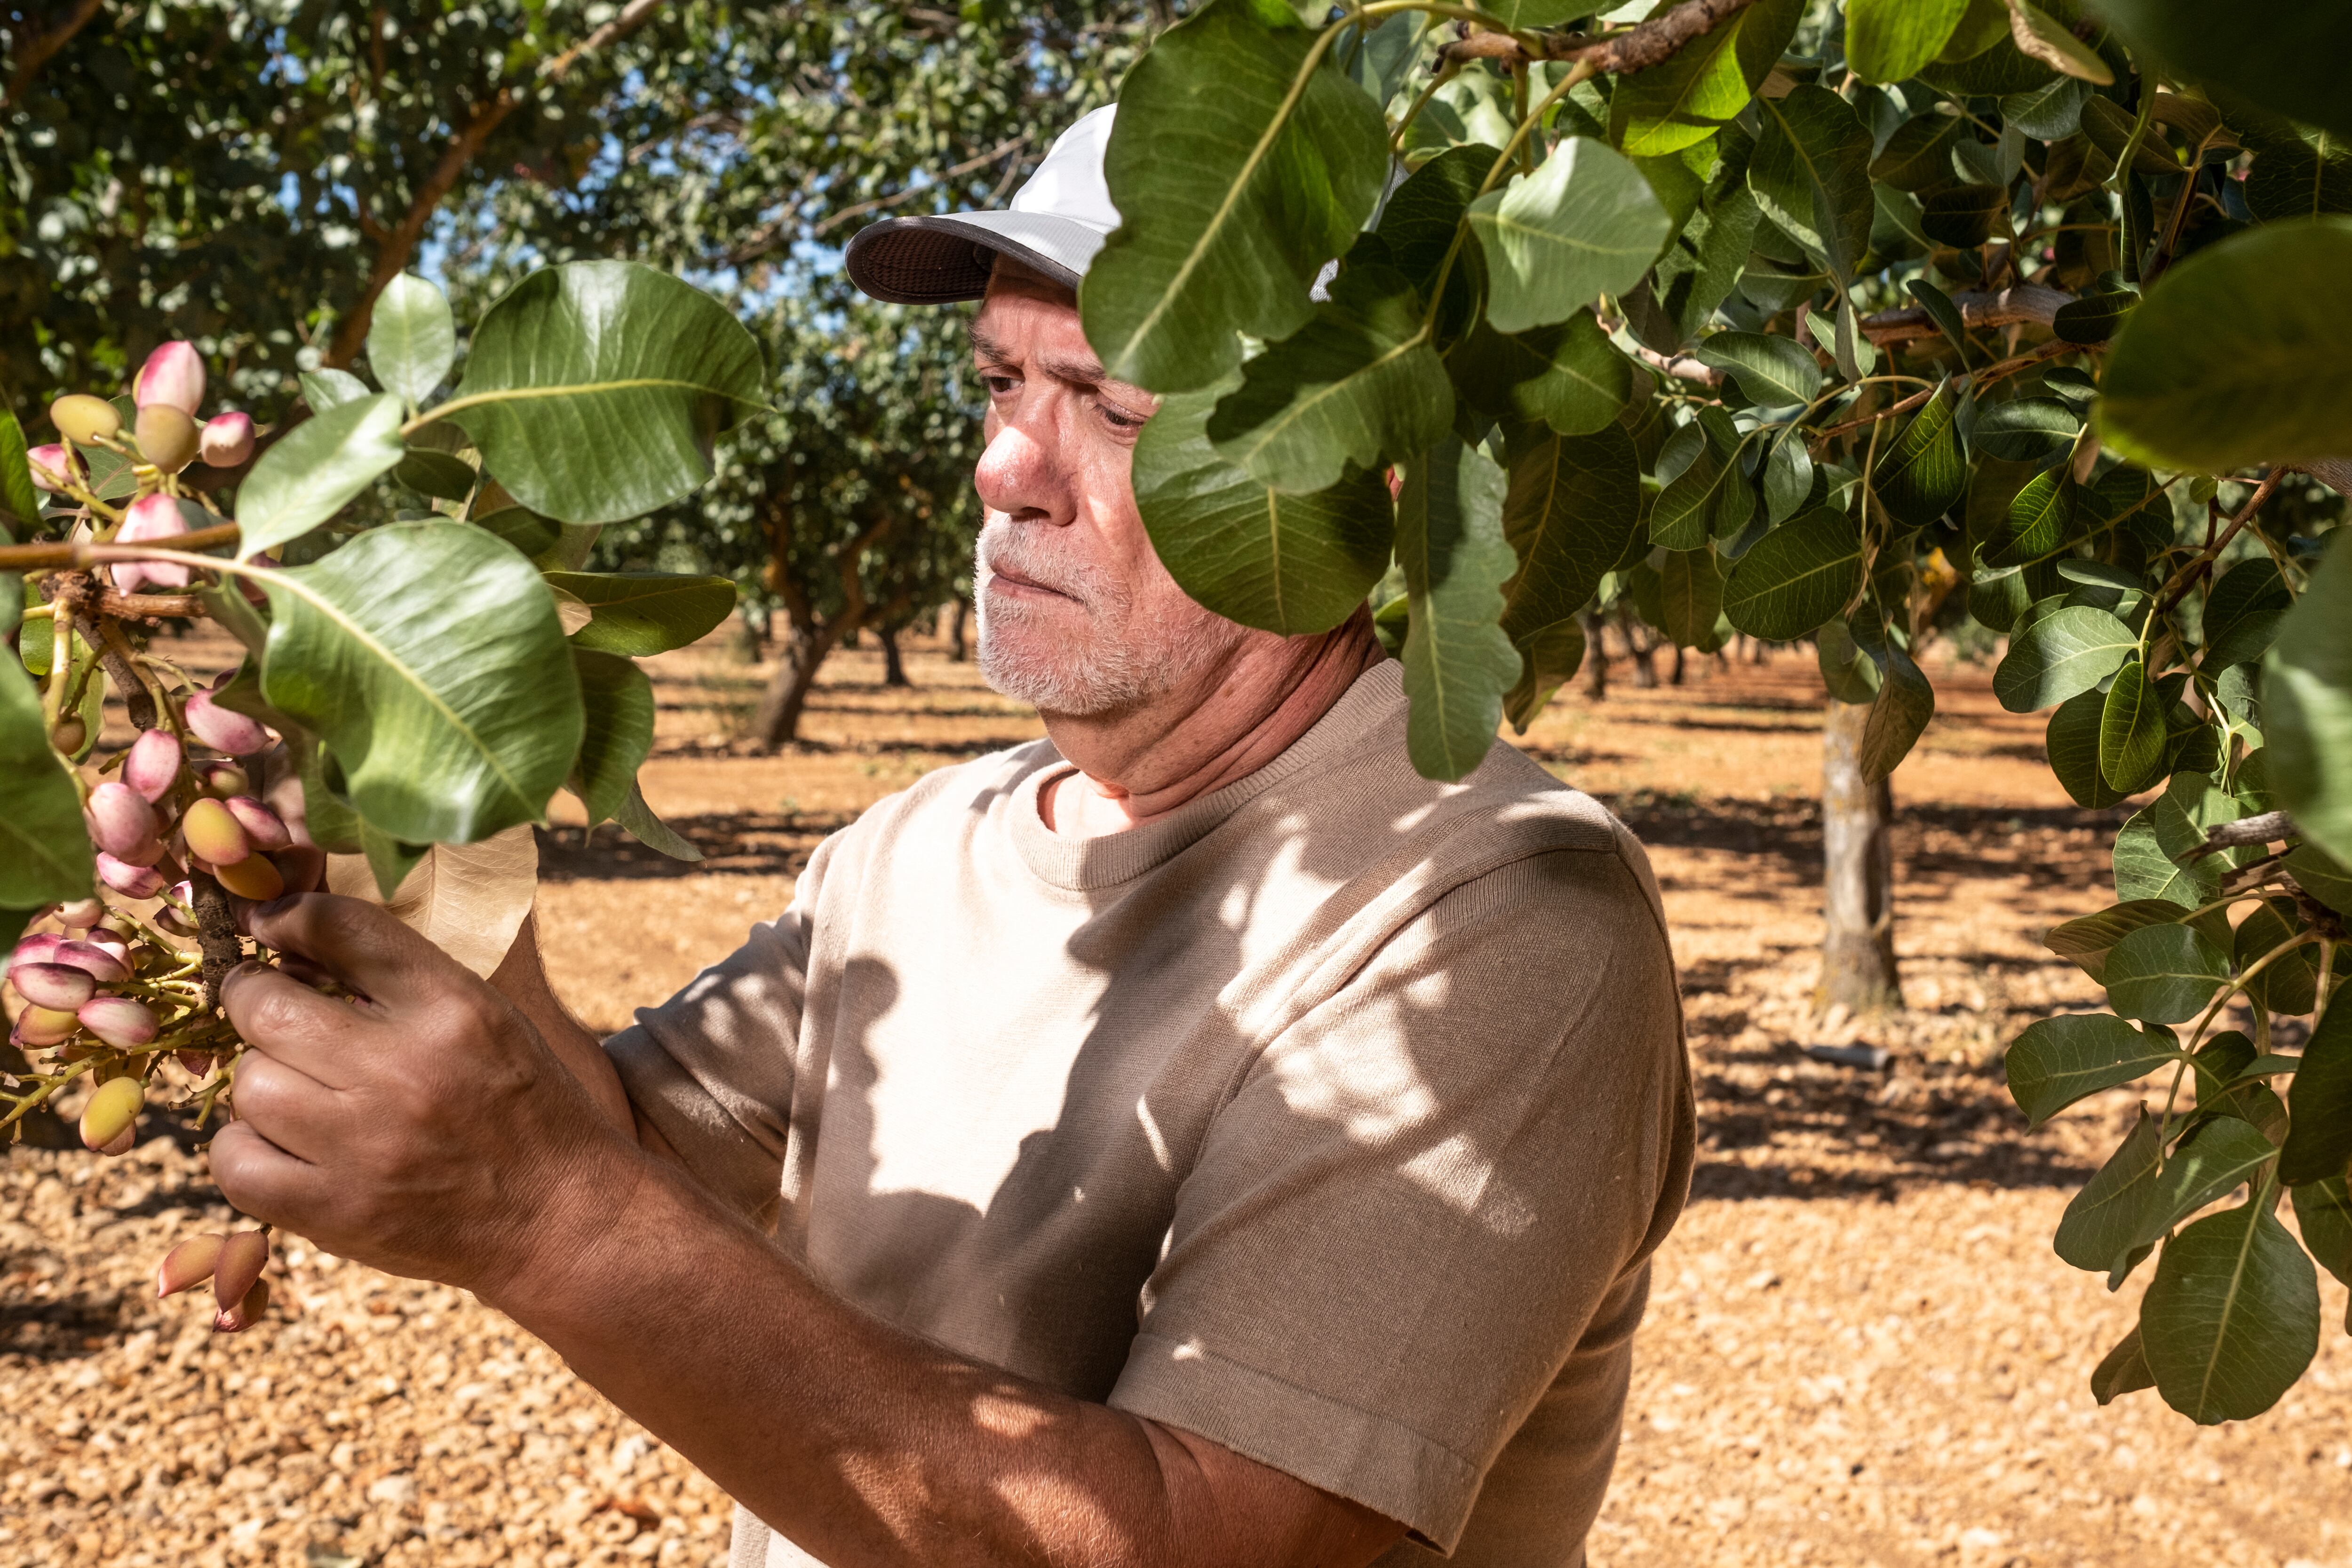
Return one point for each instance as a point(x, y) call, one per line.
point(1860, 1350)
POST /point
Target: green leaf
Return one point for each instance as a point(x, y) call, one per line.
point(1796, 577)
point(2068, 1058)
point(1776, 371)
point(643, 613)
point(2307, 706)
point(651, 831)
point(325, 389)
point(2206, 1164)
point(316, 470)
point(1240, 167)
point(2164, 973)
point(2144, 870)
point(1691, 596)
point(2088, 941)
point(2287, 58)
point(1569, 511)
point(411, 339)
point(2027, 430)
point(1946, 315)
point(2319, 1145)
point(528, 532)
point(1849, 673)
point(2322, 1212)
point(2054, 45)
point(429, 658)
point(2071, 744)
point(1964, 217)
point(389, 859)
point(1567, 375)
point(1583, 224)
point(1458, 662)
point(1995, 72)
point(2094, 319)
point(1788, 475)
point(618, 704)
point(2293, 177)
point(2132, 734)
point(2290, 982)
point(2322, 877)
point(1357, 386)
point(2048, 112)
point(1547, 656)
point(1899, 715)
point(1887, 40)
point(45, 853)
point(1681, 101)
point(2232, 1317)
point(2241, 354)
point(442, 474)
point(2069, 650)
point(1286, 563)
point(20, 503)
point(1918, 156)
point(1922, 472)
point(595, 389)
point(1811, 174)
point(1419, 222)
point(2243, 612)
point(2123, 1370)
point(2098, 1230)
point(1710, 496)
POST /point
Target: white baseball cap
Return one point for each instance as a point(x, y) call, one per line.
point(1058, 221)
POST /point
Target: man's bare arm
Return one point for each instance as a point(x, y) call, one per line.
point(431, 1130)
point(521, 978)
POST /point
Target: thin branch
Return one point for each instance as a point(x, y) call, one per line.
point(2189, 575)
point(1637, 48)
point(400, 241)
point(2266, 829)
point(2024, 302)
point(1985, 377)
point(83, 552)
point(34, 52)
point(1682, 367)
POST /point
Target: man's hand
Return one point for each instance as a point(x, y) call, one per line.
point(422, 1126)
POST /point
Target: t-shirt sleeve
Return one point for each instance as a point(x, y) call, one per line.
point(1425, 1191)
point(713, 1068)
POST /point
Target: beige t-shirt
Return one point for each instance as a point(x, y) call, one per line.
point(1333, 1117)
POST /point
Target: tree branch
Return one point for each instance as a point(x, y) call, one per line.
point(400, 240)
point(34, 52)
point(2024, 302)
point(1637, 48)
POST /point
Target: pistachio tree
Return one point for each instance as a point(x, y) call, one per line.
point(412, 695)
point(1833, 323)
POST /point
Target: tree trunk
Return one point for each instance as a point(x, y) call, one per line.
point(956, 650)
point(894, 669)
point(1676, 677)
point(1596, 655)
point(1857, 872)
point(803, 654)
point(1639, 650)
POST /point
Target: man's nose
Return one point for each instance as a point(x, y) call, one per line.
point(1020, 474)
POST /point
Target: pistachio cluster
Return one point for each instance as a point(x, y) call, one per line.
point(121, 988)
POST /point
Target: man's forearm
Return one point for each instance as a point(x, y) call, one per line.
point(521, 978)
point(869, 1448)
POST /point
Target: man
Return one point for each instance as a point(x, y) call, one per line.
point(1191, 1140)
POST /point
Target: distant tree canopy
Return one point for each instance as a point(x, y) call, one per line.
point(251, 175)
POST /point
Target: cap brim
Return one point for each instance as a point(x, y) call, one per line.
point(940, 260)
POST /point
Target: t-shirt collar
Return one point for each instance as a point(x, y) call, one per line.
point(1084, 865)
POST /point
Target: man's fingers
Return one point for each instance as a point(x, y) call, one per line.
point(261, 1179)
point(363, 944)
point(289, 1107)
point(283, 1019)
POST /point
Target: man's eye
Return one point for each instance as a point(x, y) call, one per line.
point(1000, 385)
point(1121, 419)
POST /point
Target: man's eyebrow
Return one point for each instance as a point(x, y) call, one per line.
point(1086, 373)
